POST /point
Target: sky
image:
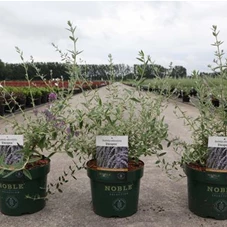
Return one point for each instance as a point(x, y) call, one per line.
point(169, 31)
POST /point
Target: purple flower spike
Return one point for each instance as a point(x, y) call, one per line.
point(71, 133)
point(59, 124)
point(35, 112)
point(49, 115)
point(52, 97)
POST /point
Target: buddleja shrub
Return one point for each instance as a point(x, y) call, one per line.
point(211, 120)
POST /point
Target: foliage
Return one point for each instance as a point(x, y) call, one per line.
point(124, 112)
point(62, 127)
point(211, 121)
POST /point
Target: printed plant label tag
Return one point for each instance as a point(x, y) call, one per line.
point(112, 153)
point(217, 153)
point(217, 141)
point(11, 140)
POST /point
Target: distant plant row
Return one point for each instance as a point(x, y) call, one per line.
point(186, 87)
point(20, 94)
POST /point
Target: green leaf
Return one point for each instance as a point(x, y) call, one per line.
point(100, 102)
point(162, 154)
point(71, 38)
point(70, 154)
point(109, 119)
point(42, 141)
point(81, 124)
point(140, 59)
point(140, 70)
point(141, 81)
point(50, 155)
point(54, 135)
point(134, 99)
point(168, 144)
point(27, 174)
point(2, 171)
point(34, 159)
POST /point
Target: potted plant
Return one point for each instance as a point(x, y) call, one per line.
point(34, 95)
point(45, 93)
point(2, 102)
point(9, 100)
point(121, 111)
point(204, 158)
point(115, 173)
point(27, 146)
point(19, 97)
point(24, 166)
point(118, 112)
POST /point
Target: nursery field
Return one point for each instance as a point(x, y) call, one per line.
point(50, 83)
point(162, 202)
point(186, 88)
point(182, 83)
point(25, 94)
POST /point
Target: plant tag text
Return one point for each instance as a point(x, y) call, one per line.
point(11, 140)
point(112, 153)
point(217, 141)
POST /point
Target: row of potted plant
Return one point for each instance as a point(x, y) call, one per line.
point(121, 112)
point(183, 89)
point(14, 97)
point(52, 83)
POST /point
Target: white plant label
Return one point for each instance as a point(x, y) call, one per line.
point(112, 152)
point(217, 141)
point(11, 140)
point(112, 141)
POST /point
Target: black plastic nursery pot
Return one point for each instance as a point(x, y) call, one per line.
point(44, 97)
point(2, 109)
point(207, 192)
point(185, 98)
point(115, 193)
point(15, 190)
point(37, 101)
point(21, 102)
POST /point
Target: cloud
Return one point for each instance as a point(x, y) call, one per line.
point(178, 32)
